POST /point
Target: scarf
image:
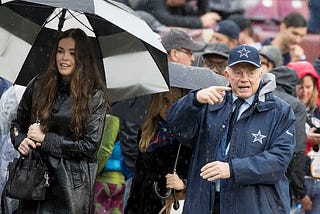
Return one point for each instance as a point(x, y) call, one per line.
point(162, 136)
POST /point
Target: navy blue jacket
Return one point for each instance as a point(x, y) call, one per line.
point(261, 146)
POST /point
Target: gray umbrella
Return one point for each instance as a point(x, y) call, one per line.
point(131, 57)
point(191, 77)
point(181, 76)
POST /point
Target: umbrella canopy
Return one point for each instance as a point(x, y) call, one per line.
point(181, 76)
point(131, 56)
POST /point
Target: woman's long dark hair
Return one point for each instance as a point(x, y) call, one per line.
point(84, 78)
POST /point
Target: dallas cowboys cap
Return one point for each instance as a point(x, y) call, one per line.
point(244, 54)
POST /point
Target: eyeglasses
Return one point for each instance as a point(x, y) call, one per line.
point(220, 66)
point(250, 73)
point(188, 52)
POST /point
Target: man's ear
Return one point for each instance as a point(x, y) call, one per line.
point(282, 26)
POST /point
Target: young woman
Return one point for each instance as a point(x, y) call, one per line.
point(308, 93)
point(155, 162)
point(62, 114)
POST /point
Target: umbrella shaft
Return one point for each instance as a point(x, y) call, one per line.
point(61, 19)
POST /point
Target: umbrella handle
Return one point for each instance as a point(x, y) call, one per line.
point(155, 189)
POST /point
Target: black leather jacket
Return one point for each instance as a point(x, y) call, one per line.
point(72, 163)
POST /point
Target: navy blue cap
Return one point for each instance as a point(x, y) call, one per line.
point(228, 28)
point(244, 53)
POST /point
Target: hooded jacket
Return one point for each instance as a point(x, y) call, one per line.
point(287, 79)
point(261, 146)
point(305, 68)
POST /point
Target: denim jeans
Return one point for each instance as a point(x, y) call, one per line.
point(313, 186)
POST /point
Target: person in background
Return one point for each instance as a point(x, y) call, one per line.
point(292, 30)
point(180, 46)
point(227, 32)
point(313, 22)
point(270, 57)
point(64, 121)
point(179, 13)
point(4, 85)
point(8, 110)
point(215, 57)
point(246, 35)
point(158, 150)
point(287, 79)
point(316, 64)
point(308, 93)
point(242, 137)
point(109, 188)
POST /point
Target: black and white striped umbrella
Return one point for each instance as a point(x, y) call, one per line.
point(132, 58)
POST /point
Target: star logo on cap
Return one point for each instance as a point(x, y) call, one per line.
point(244, 52)
point(258, 137)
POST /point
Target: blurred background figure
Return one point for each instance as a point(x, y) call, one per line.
point(227, 32)
point(292, 30)
point(314, 20)
point(270, 57)
point(308, 93)
point(180, 46)
point(109, 188)
point(286, 80)
point(4, 85)
point(179, 13)
point(215, 57)
point(246, 35)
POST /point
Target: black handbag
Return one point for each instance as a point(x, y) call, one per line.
point(28, 178)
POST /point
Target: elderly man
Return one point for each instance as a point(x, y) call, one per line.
point(243, 138)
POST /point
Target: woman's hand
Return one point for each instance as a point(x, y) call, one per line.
point(25, 145)
point(174, 182)
point(35, 133)
point(313, 137)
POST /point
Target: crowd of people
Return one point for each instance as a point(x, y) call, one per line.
point(247, 144)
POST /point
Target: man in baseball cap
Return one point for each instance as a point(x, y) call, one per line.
point(180, 46)
point(227, 32)
point(215, 57)
point(250, 136)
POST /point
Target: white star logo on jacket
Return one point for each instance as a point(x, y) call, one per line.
point(258, 137)
point(244, 52)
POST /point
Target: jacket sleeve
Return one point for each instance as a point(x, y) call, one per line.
point(20, 125)
point(184, 116)
point(296, 169)
point(109, 137)
point(87, 147)
point(159, 9)
point(269, 166)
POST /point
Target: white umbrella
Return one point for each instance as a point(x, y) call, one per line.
point(132, 58)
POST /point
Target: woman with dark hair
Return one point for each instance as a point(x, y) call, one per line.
point(61, 115)
point(158, 149)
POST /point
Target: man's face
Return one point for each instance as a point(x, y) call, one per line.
point(244, 79)
point(266, 65)
point(215, 62)
point(219, 37)
point(182, 56)
point(294, 36)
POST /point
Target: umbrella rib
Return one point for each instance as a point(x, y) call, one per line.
point(47, 21)
point(79, 21)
